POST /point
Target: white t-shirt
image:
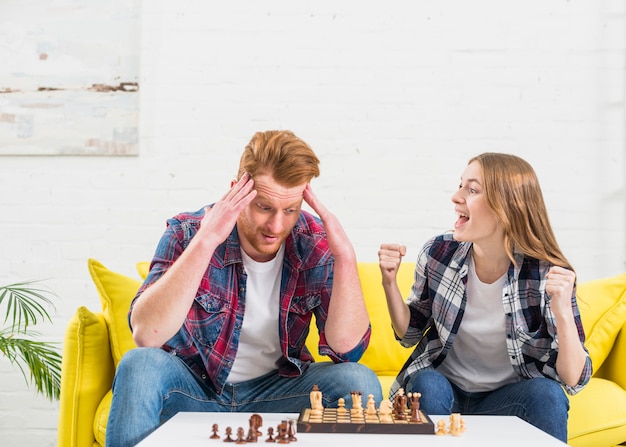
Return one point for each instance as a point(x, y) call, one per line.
point(259, 344)
point(478, 360)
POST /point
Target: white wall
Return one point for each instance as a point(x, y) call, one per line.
point(394, 96)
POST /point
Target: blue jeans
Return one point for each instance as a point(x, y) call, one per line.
point(151, 386)
point(539, 401)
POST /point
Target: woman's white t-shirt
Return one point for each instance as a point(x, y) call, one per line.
point(478, 360)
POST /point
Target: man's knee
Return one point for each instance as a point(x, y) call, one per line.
point(351, 376)
point(142, 364)
point(358, 373)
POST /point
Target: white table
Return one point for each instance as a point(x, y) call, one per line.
point(194, 429)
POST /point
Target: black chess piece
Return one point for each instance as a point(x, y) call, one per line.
point(283, 437)
point(291, 431)
point(256, 421)
point(215, 428)
point(252, 434)
point(240, 436)
point(229, 432)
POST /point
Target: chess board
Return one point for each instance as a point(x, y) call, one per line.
point(332, 422)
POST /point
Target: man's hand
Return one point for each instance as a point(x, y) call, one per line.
point(347, 319)
point(218, 221)
point(338, 240)
point(162, 308)
point(389, 259)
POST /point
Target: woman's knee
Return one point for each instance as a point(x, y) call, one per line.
point(437, 396)
point(546, 406)
point(546, 394)
point(428, 380)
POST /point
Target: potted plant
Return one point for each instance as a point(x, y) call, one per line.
point(26, 305)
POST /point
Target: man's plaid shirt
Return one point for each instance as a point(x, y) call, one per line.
point(208, 339)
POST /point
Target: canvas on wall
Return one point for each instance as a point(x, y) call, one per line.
point(69, 77)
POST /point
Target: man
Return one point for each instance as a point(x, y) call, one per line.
point(222, 318)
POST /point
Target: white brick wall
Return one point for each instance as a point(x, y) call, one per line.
point(394, 96)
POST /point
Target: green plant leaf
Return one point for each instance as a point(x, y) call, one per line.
point(41, 359)
point(26, 303)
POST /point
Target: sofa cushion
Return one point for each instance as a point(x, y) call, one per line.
point(597, 415)
point(116, 293)
point(613, 368)
point(101, 418)
point(87, 375)
point(143, 268)
point(384, 355)
point(602, 305)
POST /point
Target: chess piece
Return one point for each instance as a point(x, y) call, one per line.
point(270, 435)
point(215, 429)
point(282, 437)
point(291, 431)
point(357, 405)
point(256, 421)
point(441, 428)
point(252, 435)
point(229, 432)
point(414, 398)
point(317, 407)
point(341, 406)
point(240, 438)
point(384, 411)
point(399, 405)
point(455, 424)
point(370, 409)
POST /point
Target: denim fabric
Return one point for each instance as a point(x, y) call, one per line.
point(539, 401)
point(152, 385)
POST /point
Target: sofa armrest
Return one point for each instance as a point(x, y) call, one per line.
point(86, 376)
point(613, 367)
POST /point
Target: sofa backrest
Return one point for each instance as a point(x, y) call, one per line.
point(385, 356)
point(602, 305)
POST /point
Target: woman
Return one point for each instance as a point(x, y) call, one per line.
point(493, 308)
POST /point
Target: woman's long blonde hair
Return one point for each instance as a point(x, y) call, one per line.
point(512, 191)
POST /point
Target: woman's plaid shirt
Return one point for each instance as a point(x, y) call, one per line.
point(438, 299)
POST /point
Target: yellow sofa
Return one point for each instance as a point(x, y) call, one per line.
point(95, 342)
